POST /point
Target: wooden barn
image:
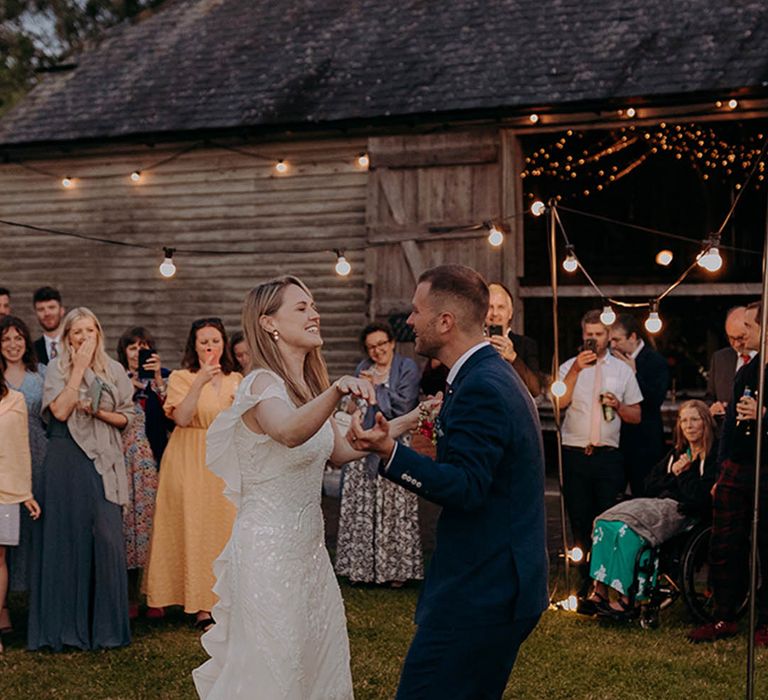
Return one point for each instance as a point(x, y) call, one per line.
point(259, 138)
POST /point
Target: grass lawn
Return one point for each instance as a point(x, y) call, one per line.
point(567, 657)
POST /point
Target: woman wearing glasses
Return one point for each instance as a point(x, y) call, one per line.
point(379, 539)
point(193, 519)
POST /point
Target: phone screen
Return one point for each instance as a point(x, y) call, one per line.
point(495, 330)
point(144, 355)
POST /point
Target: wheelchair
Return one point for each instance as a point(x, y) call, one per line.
point(680, 567)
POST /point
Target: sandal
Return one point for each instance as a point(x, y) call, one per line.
point(204, 624)
point(592, 604)
point(625, 611)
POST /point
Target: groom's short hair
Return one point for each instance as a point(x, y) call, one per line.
point(464, 286)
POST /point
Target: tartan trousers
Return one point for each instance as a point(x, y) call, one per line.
point(729, 543)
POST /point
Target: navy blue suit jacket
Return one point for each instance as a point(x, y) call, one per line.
point(490, 560)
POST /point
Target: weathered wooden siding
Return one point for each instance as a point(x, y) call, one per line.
point(208, 198)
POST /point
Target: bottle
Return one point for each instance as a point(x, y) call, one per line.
point(747, 423)
point(608, 412)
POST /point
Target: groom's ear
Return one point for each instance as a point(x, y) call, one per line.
point(446, 322)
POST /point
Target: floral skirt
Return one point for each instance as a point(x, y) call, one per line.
point(379, 538)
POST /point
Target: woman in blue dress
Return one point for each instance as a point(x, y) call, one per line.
point(23, 374)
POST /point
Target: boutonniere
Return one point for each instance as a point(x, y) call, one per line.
point(429, 424)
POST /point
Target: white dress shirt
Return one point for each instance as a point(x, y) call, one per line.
point(618, 379)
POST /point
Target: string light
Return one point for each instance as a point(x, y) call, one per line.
point(653, 323)
point(710, 258)
point(136, 175)
point(732, 104)
point(608, 317)
point(66, 181)
point(167, 268)
point(631, 112)
point(664, 257)
point(558, 388)
point(570, 264)
point(538, 208)
point(495, 236)
point(281, 167)
point(363, 161)
point(343, 268)
point(576, 555)
point(534, 118)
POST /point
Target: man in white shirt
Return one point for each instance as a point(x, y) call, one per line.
point(601, 392)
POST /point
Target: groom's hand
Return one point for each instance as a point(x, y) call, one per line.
point(377, 439)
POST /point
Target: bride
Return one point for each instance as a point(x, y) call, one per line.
point(281, 631)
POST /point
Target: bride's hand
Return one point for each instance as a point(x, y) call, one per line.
point(358, 387)
point(429, 407)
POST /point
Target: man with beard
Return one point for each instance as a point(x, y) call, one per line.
point(487, 582)
point(49, 312)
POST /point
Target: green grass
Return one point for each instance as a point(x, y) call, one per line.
point(567, 657)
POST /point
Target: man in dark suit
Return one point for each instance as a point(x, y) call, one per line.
point(725, 362)
point(519, 350)
point(487, 583)
point(641, 444)
point(49, 312)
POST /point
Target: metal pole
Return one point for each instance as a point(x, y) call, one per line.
point(753, 563)
point(556, 399)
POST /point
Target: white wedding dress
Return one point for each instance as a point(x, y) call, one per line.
point(280, 631)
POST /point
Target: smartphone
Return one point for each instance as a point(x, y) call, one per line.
point(495, 330)
point(144, 355)
point(591, 344)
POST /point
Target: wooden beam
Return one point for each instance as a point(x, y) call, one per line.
point(644, 291)
point(414, 258)
point(384, 235)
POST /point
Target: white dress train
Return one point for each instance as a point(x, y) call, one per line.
point(280, 631)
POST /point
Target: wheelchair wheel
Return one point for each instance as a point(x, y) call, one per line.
point(696, 589)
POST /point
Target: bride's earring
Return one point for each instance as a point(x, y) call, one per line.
point(275, 335)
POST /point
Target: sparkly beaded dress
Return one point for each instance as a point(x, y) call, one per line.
point(281, 632)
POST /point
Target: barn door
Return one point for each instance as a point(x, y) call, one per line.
point(424, 192)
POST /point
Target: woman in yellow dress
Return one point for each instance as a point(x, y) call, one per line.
point(193, 519)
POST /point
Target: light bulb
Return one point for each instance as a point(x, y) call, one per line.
point(281, 166)
point(558, 388)
point(631, 112)
point(576, 555)
point(732, 104)
point(66, 181)
point(711, 260)
point(538, 208)
point(495, 237)
point(136, 175)
point(343, 268)
point(362, 160)
point(167, 268)
point(570, 264)
point(664, 257)
point(533, 118)
point(572, 603)
point(608, 317)
point(653, 322)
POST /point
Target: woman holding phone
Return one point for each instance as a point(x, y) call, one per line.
point(144, 441)
point(193, 519)
point(79, 593)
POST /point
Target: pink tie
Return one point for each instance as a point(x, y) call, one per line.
point(596, 414)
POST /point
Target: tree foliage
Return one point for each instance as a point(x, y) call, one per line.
point(36, 35)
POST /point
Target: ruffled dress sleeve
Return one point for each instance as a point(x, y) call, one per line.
point(221, 450)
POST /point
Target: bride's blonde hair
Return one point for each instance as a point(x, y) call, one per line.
point(265, 300)
point(100, 363)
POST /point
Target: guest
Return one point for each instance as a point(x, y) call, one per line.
point(23, 374)
point(5, 302)
point(49, 312)
point(601, 394)
point(726, 362)
point(677, 489)
point(239, 347)
point(193, 519)
point(15, 481)
point(379, 539)
point(144, 441)
point(520, 351)
point(79, 597)
point(641, 444)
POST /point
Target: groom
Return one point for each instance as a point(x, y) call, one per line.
point(487, 583)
